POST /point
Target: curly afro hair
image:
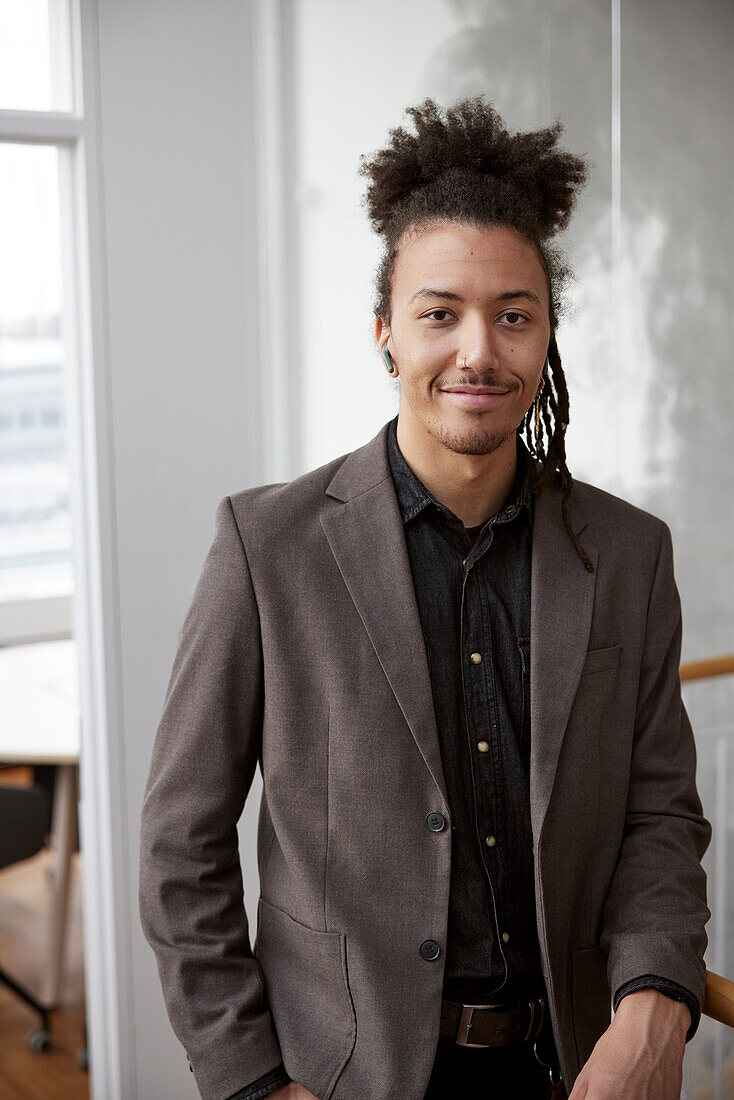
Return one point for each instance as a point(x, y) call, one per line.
point(464, 166)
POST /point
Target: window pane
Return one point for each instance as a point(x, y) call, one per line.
point(35, 55)
point(35, 527)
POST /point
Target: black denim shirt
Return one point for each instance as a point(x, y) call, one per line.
point(473, 596)
point(472, 588)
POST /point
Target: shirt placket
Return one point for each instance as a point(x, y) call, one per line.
point(481, 725)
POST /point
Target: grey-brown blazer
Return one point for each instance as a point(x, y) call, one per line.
point(302, 649)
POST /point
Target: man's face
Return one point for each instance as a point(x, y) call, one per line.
point(462, 291)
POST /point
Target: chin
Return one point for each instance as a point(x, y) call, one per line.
point(470, 433)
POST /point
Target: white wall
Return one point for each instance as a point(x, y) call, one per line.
point(176, 111)
point(642, 90)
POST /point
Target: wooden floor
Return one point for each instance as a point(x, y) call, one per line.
point(24, 1075)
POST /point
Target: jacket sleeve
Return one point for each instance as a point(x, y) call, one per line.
point(655, 912)
point(190, 890)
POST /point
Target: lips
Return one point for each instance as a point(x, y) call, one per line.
point(472, 389)
point(476, 397)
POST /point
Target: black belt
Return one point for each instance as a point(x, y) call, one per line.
point(499, 1025)
point(492, 1025)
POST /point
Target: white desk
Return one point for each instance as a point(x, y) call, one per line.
point(39, 724)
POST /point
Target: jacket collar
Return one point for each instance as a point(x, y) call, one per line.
point(368, 465)
point(365, 533)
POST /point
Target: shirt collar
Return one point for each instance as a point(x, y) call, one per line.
point(413, 496)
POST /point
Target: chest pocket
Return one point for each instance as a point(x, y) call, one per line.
point(598, 660)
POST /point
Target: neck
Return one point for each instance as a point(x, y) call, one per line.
point(474, 487)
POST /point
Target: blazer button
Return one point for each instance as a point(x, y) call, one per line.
point(436, 822)
point(430, 949)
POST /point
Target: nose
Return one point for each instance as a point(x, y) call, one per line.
point(479, 344)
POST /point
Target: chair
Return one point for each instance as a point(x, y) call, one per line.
point(24, 824)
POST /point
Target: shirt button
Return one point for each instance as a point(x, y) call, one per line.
point(506, 936)
point(483, 746)
point(436, 821)
point(475, 658)
point(430, 950)
point(490, 841)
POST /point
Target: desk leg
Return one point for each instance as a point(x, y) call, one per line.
point(63, 840)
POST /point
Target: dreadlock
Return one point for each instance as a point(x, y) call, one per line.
point(465, 167)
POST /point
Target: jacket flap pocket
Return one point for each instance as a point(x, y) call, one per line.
point(307, 986)
point(599, 659)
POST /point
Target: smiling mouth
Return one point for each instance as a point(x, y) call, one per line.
point(476, 398)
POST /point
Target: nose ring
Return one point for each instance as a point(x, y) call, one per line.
point(464, 362)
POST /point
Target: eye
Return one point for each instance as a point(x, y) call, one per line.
point(512, 313)
point(433, 312)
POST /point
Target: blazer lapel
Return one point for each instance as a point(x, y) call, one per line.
point(561, 605)
point(366, 537)
point(368, 542)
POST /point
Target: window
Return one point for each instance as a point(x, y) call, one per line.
point(37, 139)
point(35, 55)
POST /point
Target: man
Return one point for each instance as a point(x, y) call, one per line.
point(458, 670)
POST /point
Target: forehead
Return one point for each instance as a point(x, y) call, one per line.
point(482, 259)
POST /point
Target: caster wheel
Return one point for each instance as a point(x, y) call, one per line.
point(40, 1041)
point(82, 1058)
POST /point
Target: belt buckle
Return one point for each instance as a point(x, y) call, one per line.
point(467, 1012)
point(465, 1022)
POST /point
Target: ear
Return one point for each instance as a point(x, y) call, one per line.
point(382, 332)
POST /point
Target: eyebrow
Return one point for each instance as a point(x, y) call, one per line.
point(505, 296)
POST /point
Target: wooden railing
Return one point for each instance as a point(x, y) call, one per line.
point(719, 994)
point(718, 1002)
point(710, 666)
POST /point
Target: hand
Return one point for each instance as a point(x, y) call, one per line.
point(292, 1091)
point(640, 1055)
